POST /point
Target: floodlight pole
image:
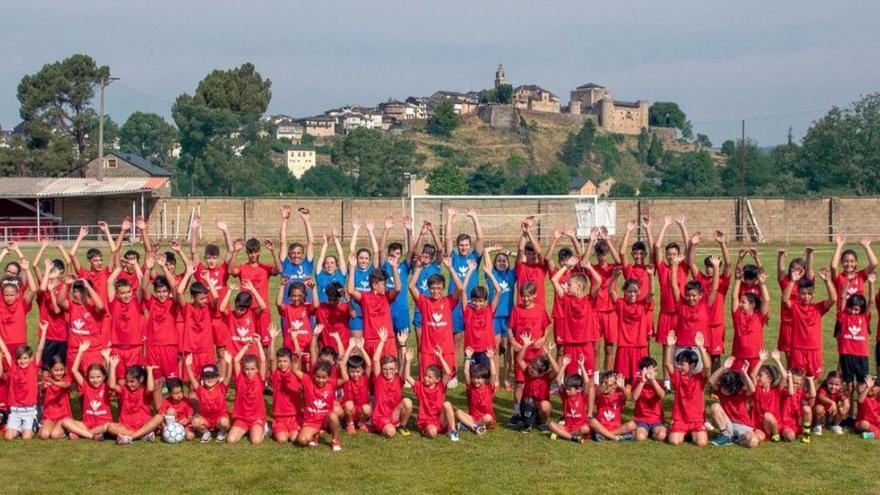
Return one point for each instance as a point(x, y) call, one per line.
point(104, 81)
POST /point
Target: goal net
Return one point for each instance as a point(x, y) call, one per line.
point(501, 216)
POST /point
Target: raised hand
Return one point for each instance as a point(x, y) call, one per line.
point(763, 355)
point(383, 334)
point(719, 236)
point(318, 329)
point(775, 354)
point(824, 273)
point(715, 260)
point(389, 222)
point(408, 223)
point(220, 224)
point(631, 225)
point(274, 331)
point(451, 211)
point(840, 240)
point(370, 225)
point(566, 360)
point(671, 339)
point(285, 212)
point(468, 352)
point(304, 213)
point(728, 363)
point(700, 340)
point(470, 213)
point(402, 338)
point(490, 353)
point(269, 244)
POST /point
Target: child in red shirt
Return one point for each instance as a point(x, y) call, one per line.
point(84, 311)
point(634, 319)
point(297, 317)
point(126, 321)
point(528, 320)
point(868, 419)
point(94, 396)
point(214, 270)
point(436, 415)
point(258, 274)
point(832, 404)
point(688, 407)
point(605, 315)
point(767, 397)
point(648, 396)
point(320, 409)
point(734, 388)
point(637, 270)
point(576, 424)
point(56, 385)
point(579, 332)
point(176, 405)
point(243, 319)
point(210, 391)
point(530, 264)
point(564, 255)
point(806, 337)
point(849, 276)
point(667, 321)
point(749, 314)
point(17, 303)
point(376, 304)
point(136, 418)
point(97, 274)
point(436, 309)
point(355, 372)
point(391, 410)
point(249, 408)
point(852, 332)
point(482, 381)
point(716, 322)
point(534, 407)
point(286, 392)
point(197, 337)
point(333, 314)
point(692, 309)
point(797, 415)
point(22, 376)
point(479, 317)
point(783, 276)
point(606, 401)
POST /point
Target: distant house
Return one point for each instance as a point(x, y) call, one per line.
point(419, 106)
point(352, 117)
point(398, 111)
point(581, 186)
point(535, 98)
point(287, 129)
point(118, 164)
point(462, 103)
point(318, 126)
point(298, 159)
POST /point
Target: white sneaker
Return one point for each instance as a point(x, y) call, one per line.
point(221, 436)
point(206, 437)
point(453, 382)
point(837, 429)
point(817, 430)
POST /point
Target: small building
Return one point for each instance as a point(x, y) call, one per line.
point(462, 103)
point(535, 98)
point(298, 159)
point(319, 126)
point(419, 106)
point(119, 164)
point(581, 186)
point(287, 129)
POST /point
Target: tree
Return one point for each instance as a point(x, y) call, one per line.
point(327, 180)
point(111, 135)
point(759, 169)
point(375, 161)
point(703, 140)
point(150, 136)
point(622, 190)
point(307, 140)
point(728, 148)
point(669, 114)
point(505, 93)
point(444, 120)
point(447, 178)
point(690, 174)
point(556, 180)
point(488, 178)
point(655, 151)
point(644, 144)
point(576, 149)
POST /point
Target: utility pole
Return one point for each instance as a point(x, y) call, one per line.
point(104, 81)
point(743, 228)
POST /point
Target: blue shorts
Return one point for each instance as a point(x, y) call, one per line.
point(501, 326)
point(356, 324)
point(649, 427)
point(417, 318)
point(400, 321)
point(457, 320)
point(480, 358)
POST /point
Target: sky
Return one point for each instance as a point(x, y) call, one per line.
point(780, 64)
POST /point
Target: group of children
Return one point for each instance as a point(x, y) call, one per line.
point(128, 330)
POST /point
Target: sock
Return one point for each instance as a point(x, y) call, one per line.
point(807, 429)
point(516, 409)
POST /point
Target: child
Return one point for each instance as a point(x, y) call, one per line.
point(391, 410)
point(832, 404)
point(299, 264)
point(634, 320)
point(506, 280)
point(126, 321)
point(360, 272)
point(749, 314)
point(852, 330)
point(84, 311)
point(435, 412)
point(320, 410)
point(731, 413)
point(286, 392)
point(176, 404)
point(249, 409)
point(806, 315)
point(400, 306)
point(693, 309)
point(575, 424)
point(161, 330)
point(466, 250)
point(436, 309)
point(564, 255)
point(297, 316)
point(796, 411)
point(375, 304)
point(530, 265)
point(578, 332)
point(243, 319)
point(606, 401)
point(479, 333)
point(637, 270)
point(258, 273)
point(214, 270)
point(528, 320)
point(333, 313)
point(648, 396)
point(210, 392)
point(51, 285)
point(688, 408)
point(136, 418)
point(17, 303)
point(767, 398)
point(534, 402)
point(850, 276)
point(605, 316)
point(197, 336)
point(355, 373)
point(332, 271)
point(21, 376)
point(482, 381)
point(750, 272)
point(667, 321)
point(868, 420)
point(56, 385)
point(95, 398)
point(715, 329)
point(783, 276)
point(97, 274)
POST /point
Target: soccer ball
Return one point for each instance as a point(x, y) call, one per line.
point(173, 432)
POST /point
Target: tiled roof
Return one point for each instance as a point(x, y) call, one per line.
point(52, 187)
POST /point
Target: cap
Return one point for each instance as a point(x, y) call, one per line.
point(210, 371)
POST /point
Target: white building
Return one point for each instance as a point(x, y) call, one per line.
point(299, 159)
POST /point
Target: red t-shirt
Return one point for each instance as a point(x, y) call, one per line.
point(219, 275)
point(162, 321)
point(537, 387)
point(792, 404)
point(579, 317)
point(481, 401)
point(479, 328)
point(135, 406)
point(13, 321)
point(317, 401)
point(638, 272)
point(857, 286)
point(126, 327)
point(692, 319)
point(131, 278)
point(716, 312)
point(746, 288)
point(529, 321)
point(335, 318)
point(736, 406)
point(258, 275)
point(387, 394)
point(242, 329)
point(766, 400)
point(664, 277)
point(852, 336)
point(212, 401)
point(23, 384)
point(748, 333)
point(609, 408)
point(836, 397)
point(57, 330)
point(649, 406)
point(358, 392)
point(198, 335)
point(298, 320)
point(536, 273)
point(95, 404)
point(98, 280)
point(557, 311)
point(56, 401)
point(807, 324)
point(183, 410)
point(603, 298)
point(869, 410)
point(430, 402)
point(286, 394)
point(249, 404)
point(84, 323)
point(376, 313)
point(634, 322)
point(436, 323)
point(688, 405)
point(574, 408)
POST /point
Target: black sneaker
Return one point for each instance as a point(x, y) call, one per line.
point(543, 427)
point(515, 421)
point(527, 429)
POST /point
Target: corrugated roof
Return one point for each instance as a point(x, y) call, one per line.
point(51, 187)
point(142, 163)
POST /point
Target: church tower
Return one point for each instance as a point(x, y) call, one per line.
point(500, 76)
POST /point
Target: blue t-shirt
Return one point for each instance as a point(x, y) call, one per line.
point(401, 302)
point(506, 280)
point(460, 265)
point(361, 284)
point(323, 279)
point(297, 272)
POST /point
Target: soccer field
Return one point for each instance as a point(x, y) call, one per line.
point(500, 461)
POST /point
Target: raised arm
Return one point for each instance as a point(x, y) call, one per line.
point(835, 258)
point(83, 232)
point(451, 211)
point(490, 277)
point(459, 288)
point(285, 220)
point(624, 243)
point(825, 275)
point(667, 353)
point(676, 291)
point(480, 240)
point(227, 239)
point(713, 291)
point(704, 354)
point(872, 258)
point(190, 374)
point(352, 246)
point(374, 244)
point(657, 248)
point(310, 235)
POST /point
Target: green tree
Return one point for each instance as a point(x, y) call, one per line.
point(575, 151)
point(505, 93)
point(308, 140)
point(644, 144)
point(444, 120)
point(622, 190)
point(447, 178)
point(690, 174)
point(728, 148)
point(375, 161)
point(327, 180)
point(669, 114)
point(556, 180)
point(150, 136)
point(655, 152)
point(703, 140)
point(111, 135)
point(757, 167)
point(488, 178)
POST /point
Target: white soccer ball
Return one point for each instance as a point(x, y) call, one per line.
point(173, 433)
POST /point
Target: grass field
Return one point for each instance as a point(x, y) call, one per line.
point(501, 461)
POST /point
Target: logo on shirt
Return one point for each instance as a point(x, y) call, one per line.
point(296, 324)
point(462, 271)
point(504, 286)
point(242, 333)
point(364, 285)
point(96, 407)
point(609, 415)
point(79, 327)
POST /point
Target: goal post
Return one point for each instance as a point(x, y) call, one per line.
point(501, 216)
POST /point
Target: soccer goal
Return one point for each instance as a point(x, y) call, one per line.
point(501, 216)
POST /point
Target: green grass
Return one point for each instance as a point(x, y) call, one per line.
point(501, 461)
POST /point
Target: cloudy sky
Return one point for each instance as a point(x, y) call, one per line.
point(777, 64)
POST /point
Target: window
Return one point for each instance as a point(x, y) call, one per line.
point(111, 163)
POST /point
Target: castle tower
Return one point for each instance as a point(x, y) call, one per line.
point(500, 76)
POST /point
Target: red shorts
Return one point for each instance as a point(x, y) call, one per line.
point(665, 324)
point(576, 428)
point(319, 423)
point(784, 342)
point(263, 321)
point(427, 359)
point(716, 340)
point(202, 358)
point(558, 321)
point(518, 374)
point(626, 361)
point(575, 351)
point(389, 349)
point(132, 355)
point(607, 321)
point(136, 422)
point(246, 424)
point(380, 423)
point(211, 422)
point(220, 331)
point(685, 427)
point(285, 424)
point(165, 357)
point(809, 360)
